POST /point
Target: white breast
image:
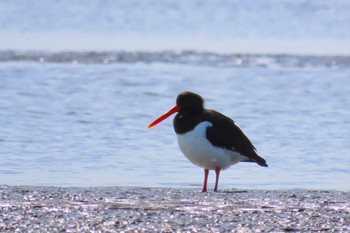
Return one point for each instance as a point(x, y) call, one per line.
point(196, 147)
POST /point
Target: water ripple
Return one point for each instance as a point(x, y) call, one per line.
point(183, 57)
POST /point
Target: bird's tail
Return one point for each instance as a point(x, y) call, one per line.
point(255, 159)
point(261, 162)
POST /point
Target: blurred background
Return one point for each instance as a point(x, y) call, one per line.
point(81, 80)
point(303, 27)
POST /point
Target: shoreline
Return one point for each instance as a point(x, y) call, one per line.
point(84, 41)
point(130, 209)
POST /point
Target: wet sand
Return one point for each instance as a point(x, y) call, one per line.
point(131, 209)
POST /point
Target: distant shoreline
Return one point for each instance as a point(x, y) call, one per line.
point(72, 41)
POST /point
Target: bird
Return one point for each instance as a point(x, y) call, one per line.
point(208, 138)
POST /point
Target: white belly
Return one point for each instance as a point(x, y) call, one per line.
point(196, 147)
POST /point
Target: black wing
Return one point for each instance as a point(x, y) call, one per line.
point(228, 135)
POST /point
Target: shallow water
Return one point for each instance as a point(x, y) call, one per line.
point(80, 81)
point(84, 123)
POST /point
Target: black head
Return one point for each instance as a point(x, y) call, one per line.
point(190, 102)
point(187, 104)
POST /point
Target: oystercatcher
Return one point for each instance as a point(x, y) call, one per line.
point(208, 138)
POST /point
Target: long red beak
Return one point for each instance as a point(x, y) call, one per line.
point(174, 109)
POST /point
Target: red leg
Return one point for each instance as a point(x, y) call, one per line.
point(217, 172)
point(206, 172)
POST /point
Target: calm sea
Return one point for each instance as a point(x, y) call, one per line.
point(74, 116)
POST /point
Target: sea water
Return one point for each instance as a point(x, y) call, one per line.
point(73, 116)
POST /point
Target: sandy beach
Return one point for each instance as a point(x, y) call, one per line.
point(137, 209)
